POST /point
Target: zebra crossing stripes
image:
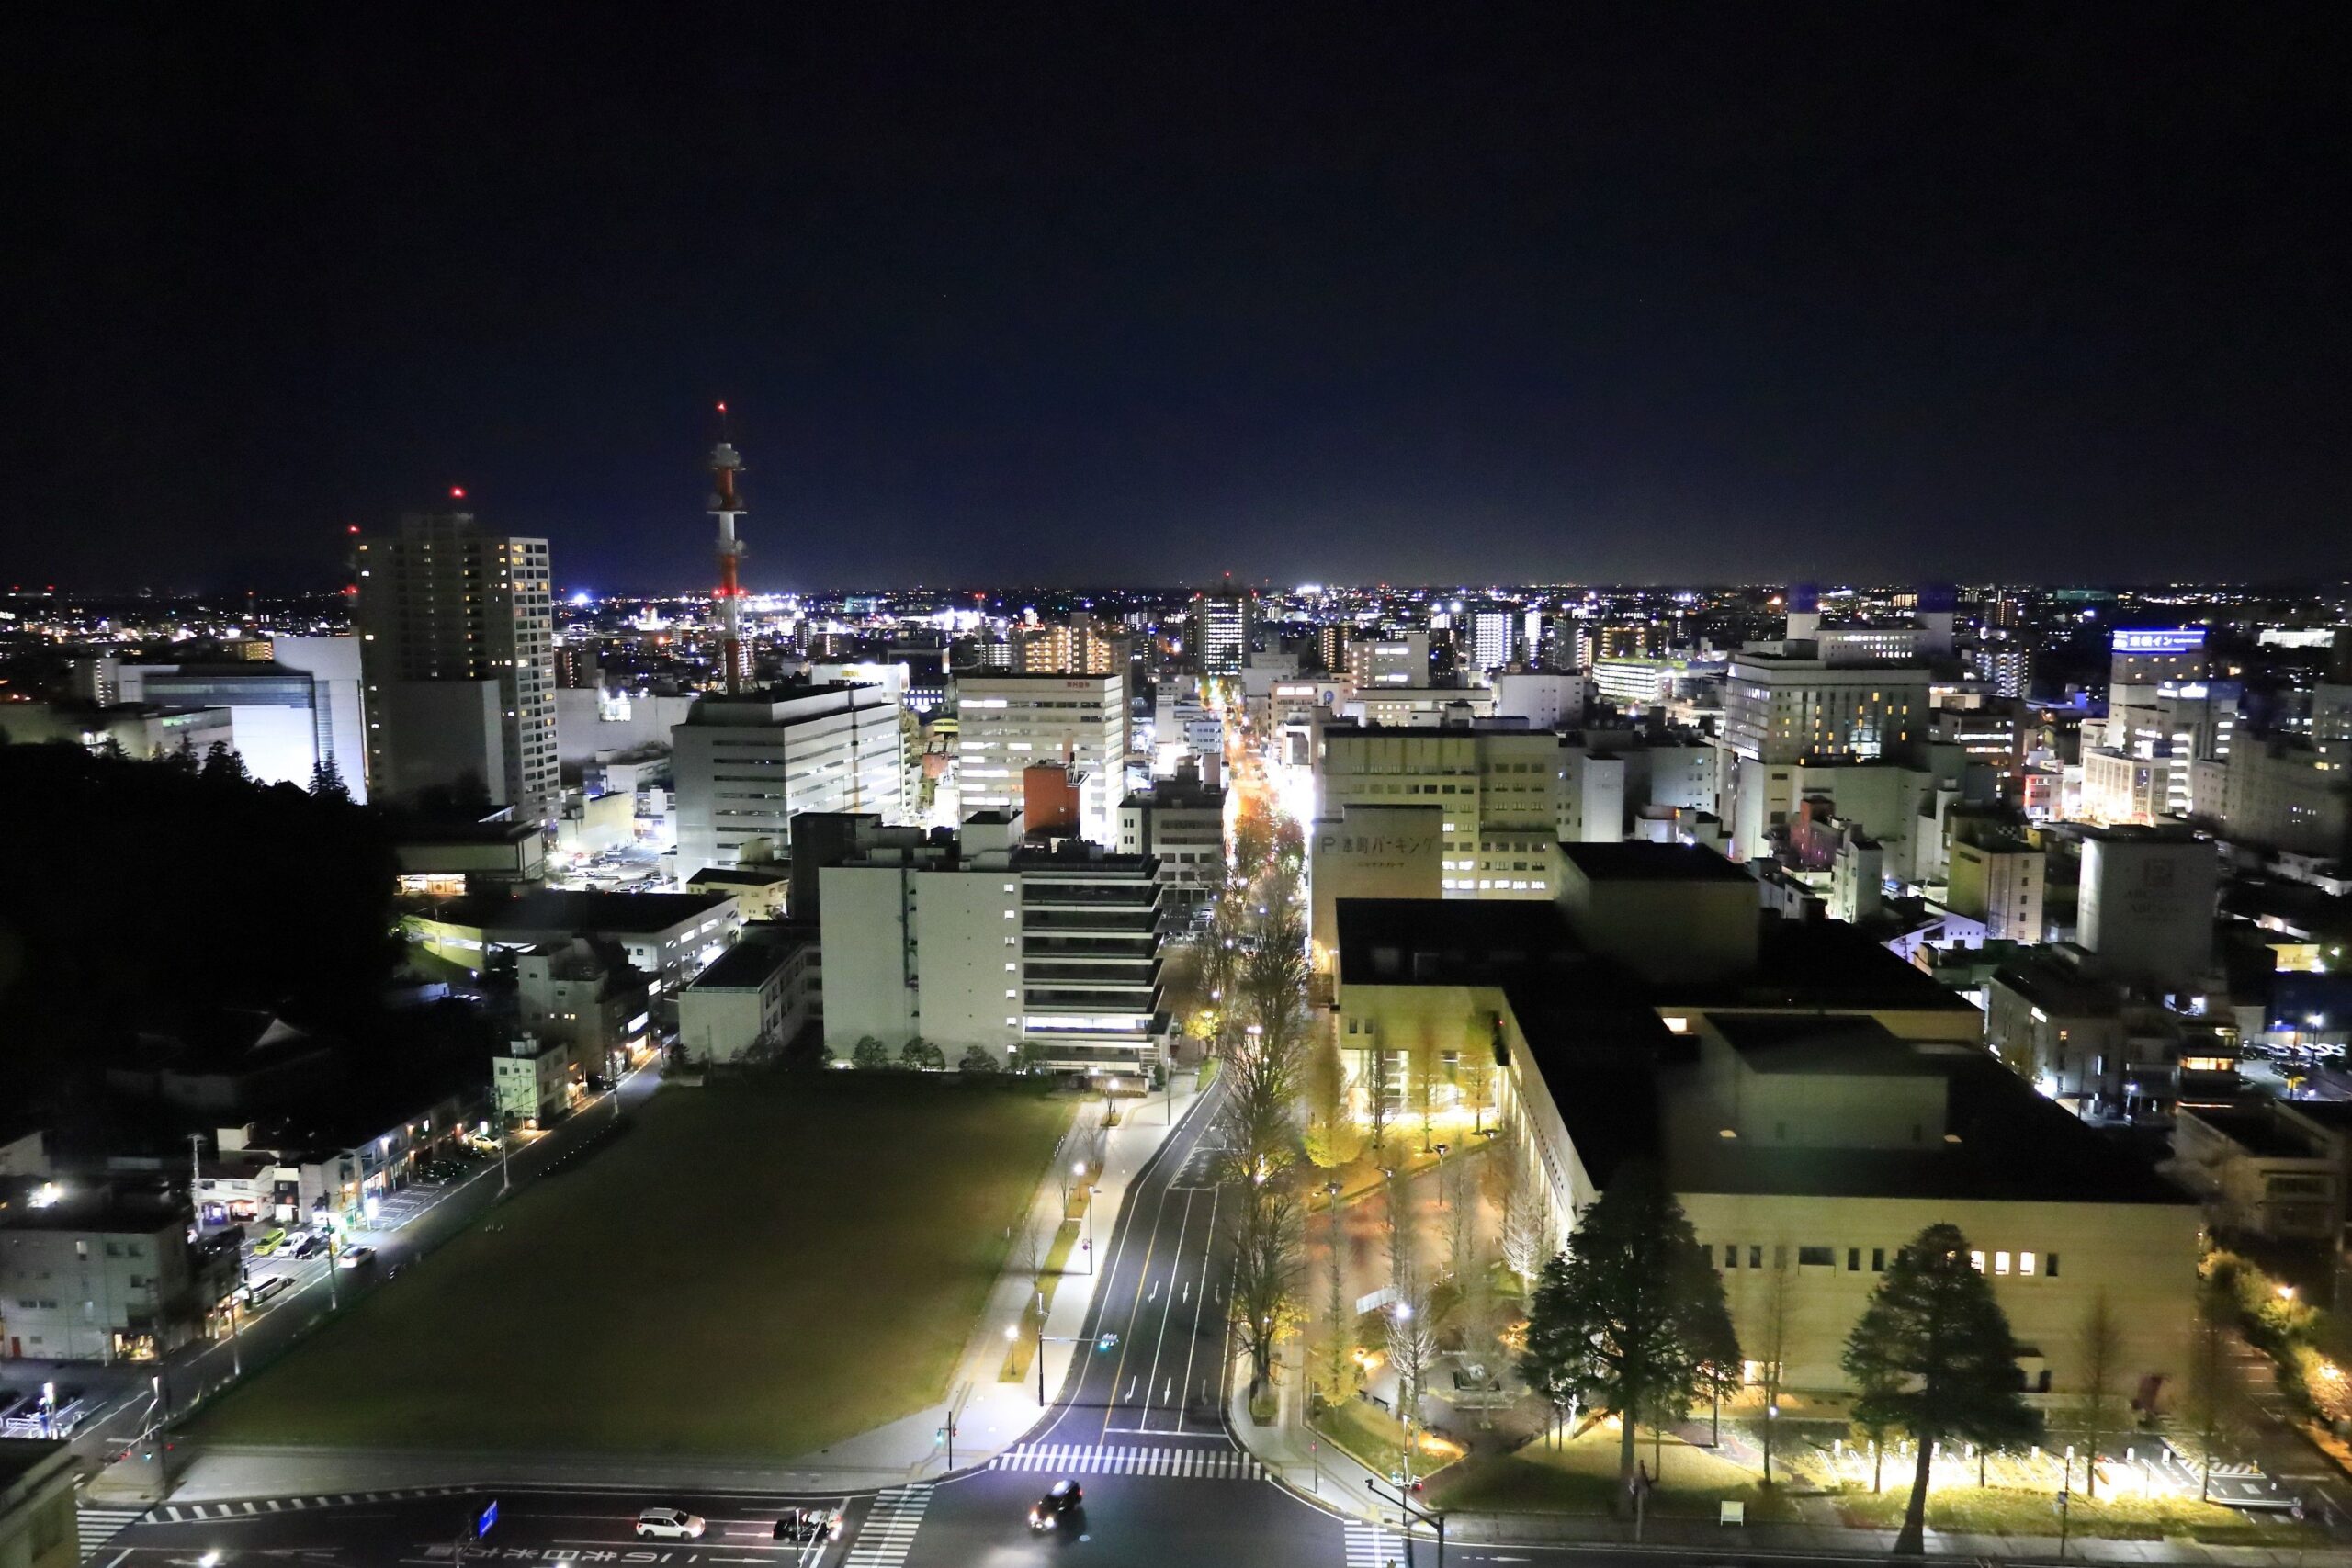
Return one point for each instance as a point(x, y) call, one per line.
point(1369, 1547)
point(98, 1526)
point(183, 1513)
point(888, 1532)
point(1096, 1459)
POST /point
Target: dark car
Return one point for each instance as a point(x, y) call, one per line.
point(801, 1526)
point(309, 1246)
point(1057, 1507)
point(598, 1083)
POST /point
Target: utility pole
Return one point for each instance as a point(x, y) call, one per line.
point(1413, 1515)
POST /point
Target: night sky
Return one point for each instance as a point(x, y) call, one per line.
point(1109, 295)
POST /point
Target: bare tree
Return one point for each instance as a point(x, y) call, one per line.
point(1461, 1221)
point(1339, 1325)
point(1379, 1083)
point(1772, 1346)
point(1412, 1347)
point(2099, 1349)
point(1267, 1264)
point(1526, 1227)
point(2212, 1395)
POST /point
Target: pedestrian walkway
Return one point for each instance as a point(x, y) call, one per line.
point(181, 1513)
point(1369, 1547)
point(98, 1526)
point(1096, 1459)
point(887, 1533)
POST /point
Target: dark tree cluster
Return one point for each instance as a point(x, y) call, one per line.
point(134, 893)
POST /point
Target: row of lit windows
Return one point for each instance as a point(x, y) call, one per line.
point(2004, 1265)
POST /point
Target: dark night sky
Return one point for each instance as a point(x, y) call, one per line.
point(1103, 295)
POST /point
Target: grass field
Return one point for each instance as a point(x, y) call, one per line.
point(756, 1271)
point(1580, 1477)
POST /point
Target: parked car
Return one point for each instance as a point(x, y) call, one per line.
point(801, 1526)
point(598, 1083)
point(355, 1258)
point(269, 1243)
point(670, 1524)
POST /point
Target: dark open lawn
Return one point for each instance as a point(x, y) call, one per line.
point(749, 1270)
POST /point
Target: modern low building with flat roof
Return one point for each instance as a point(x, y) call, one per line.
point(670, 936)
point(1812, 1102)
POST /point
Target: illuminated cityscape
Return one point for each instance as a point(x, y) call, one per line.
point(934, 789)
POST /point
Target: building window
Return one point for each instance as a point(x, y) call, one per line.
point(2001, 1263)
point(2025, 1263)
point(1853, 1260)
point(2049, 1266)
point(1817, 1258)
point(1976, 1260)
point(1878, 1260)
point(1756, 1257)
point(1731, 1255)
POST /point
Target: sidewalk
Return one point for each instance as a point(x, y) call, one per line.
point(990, 1415)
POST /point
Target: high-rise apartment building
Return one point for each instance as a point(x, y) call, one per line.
point(1079, 645)
point(1009, 721)
point(746, 766)
point(2141, 661)
point(1221, 628)
point(1492, 635)
point(457, 653)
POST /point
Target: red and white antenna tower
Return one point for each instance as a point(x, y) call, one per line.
point(726, 507)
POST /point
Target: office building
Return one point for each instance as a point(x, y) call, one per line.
point(2146, 906)
point(744, 766)
point(1377, 664)
point(1494, 787)
point(1493, 640)
point(1221, 630)
point(1996, 876)
point(754, 1000)
point(286, 714)
point(1179, 824)
point(97, 1272)
point(2288, 796)
point(457, 653)
point(667, 937)
point(1047, 957)
point(1539, 699)
point(1009, 721)
point(1783, 707)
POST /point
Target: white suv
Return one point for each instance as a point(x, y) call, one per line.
point(669, 1524)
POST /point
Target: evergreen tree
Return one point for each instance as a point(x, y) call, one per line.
point(223, 765)
point(1631, 1317)
point(326, 781)
point(180, 759)
point(1933, 1354)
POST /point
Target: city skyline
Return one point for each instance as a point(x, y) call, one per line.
point(1515, 296)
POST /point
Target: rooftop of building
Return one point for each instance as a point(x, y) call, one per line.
point(1636, 860)
point(2049, 983)
point(741, 875)
point(767, 946)
point(1799, 964)
point(122, 1208)
point(2003, 1143)
point(1800, 1045)
point(2254, 1129)
point(571, 909)
point(25, 1462)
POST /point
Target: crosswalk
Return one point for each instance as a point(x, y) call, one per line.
point(99, 1526)
point(1096, 1459)
point(182, 1513)
point(888, 1532)
point(1371, 1547)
